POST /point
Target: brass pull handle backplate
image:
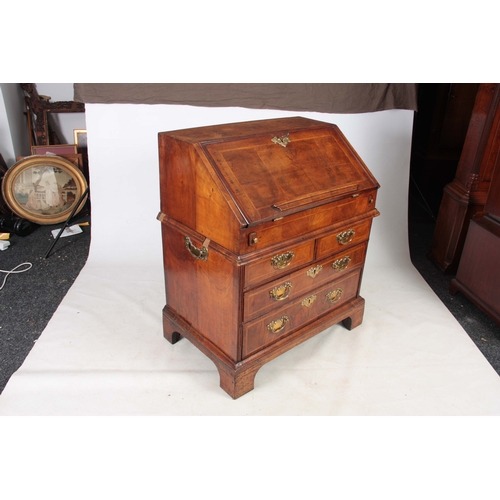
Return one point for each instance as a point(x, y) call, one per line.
point(282, 141)
point(308, 302)
point(341, 264)
point(314, 271)
point(345, 237)
point(281, 292)
point(278, 325)
point(334, 296)
point(197, 253)
point(283, 260)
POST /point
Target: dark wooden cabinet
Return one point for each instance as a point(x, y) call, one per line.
point(478, 275)
point(465, 196)
point(439, 131)
point(265, 228)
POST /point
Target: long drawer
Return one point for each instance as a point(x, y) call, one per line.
point(281, 291)
point(269, 328)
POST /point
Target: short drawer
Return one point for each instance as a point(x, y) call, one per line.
point(282, 321)
point(280, 292)
point(345, 237)
point(279, 264)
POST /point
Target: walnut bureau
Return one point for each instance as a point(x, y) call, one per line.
point(265, 227)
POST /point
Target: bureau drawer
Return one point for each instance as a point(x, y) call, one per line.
point(279, 264)
point(345, 237)
point(277, 324)
point(307, 221)
point(285, 289)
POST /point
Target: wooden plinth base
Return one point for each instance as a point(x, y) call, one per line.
point(237, 378)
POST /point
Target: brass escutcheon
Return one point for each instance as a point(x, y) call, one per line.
point(281, 292)
point(334, 296)
point(278, 325)
point(314, 271)
point(345, 237)
point(308, 302)
point(282, 141)
point(341, 264)
point(283, 260)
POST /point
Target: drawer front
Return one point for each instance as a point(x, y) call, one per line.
point(304, 222)
point(285, 289)
point(345, 237)
point(275, 325)
point(279, 264)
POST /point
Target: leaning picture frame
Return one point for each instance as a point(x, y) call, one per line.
point(80, 139)
point(44, 189)
point(56, 149)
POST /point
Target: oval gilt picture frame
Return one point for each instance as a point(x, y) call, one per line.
point(44, 188)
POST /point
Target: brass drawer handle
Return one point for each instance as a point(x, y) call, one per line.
point(345, 237)
point(314, 271)
point(281, 292)
point(342, 264)
point(283, 260)
point(334, 296)
point(197, 253)
point(278, 325)
point(308, 302)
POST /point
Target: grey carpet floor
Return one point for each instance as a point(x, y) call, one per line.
point(29, 299)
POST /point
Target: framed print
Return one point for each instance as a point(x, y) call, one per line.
point(57, 149)
point(77, 159)
point(80, 138)
point(44, 188)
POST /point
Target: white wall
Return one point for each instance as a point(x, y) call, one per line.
point(13, 125)
point(123, 159)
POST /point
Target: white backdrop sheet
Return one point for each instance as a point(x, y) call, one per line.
point(103, 352)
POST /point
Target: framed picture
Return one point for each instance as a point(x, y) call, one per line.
point(80, 138)
point(57, 149)
point(77, 160)
point(44, 188)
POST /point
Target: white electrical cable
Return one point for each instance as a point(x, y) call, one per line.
point(14, 271)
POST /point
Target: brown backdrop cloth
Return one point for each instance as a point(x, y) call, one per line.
point(321, 97)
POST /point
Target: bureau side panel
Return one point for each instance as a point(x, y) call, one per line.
point(191, 193)
point(177, 180)
point(204, 293)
